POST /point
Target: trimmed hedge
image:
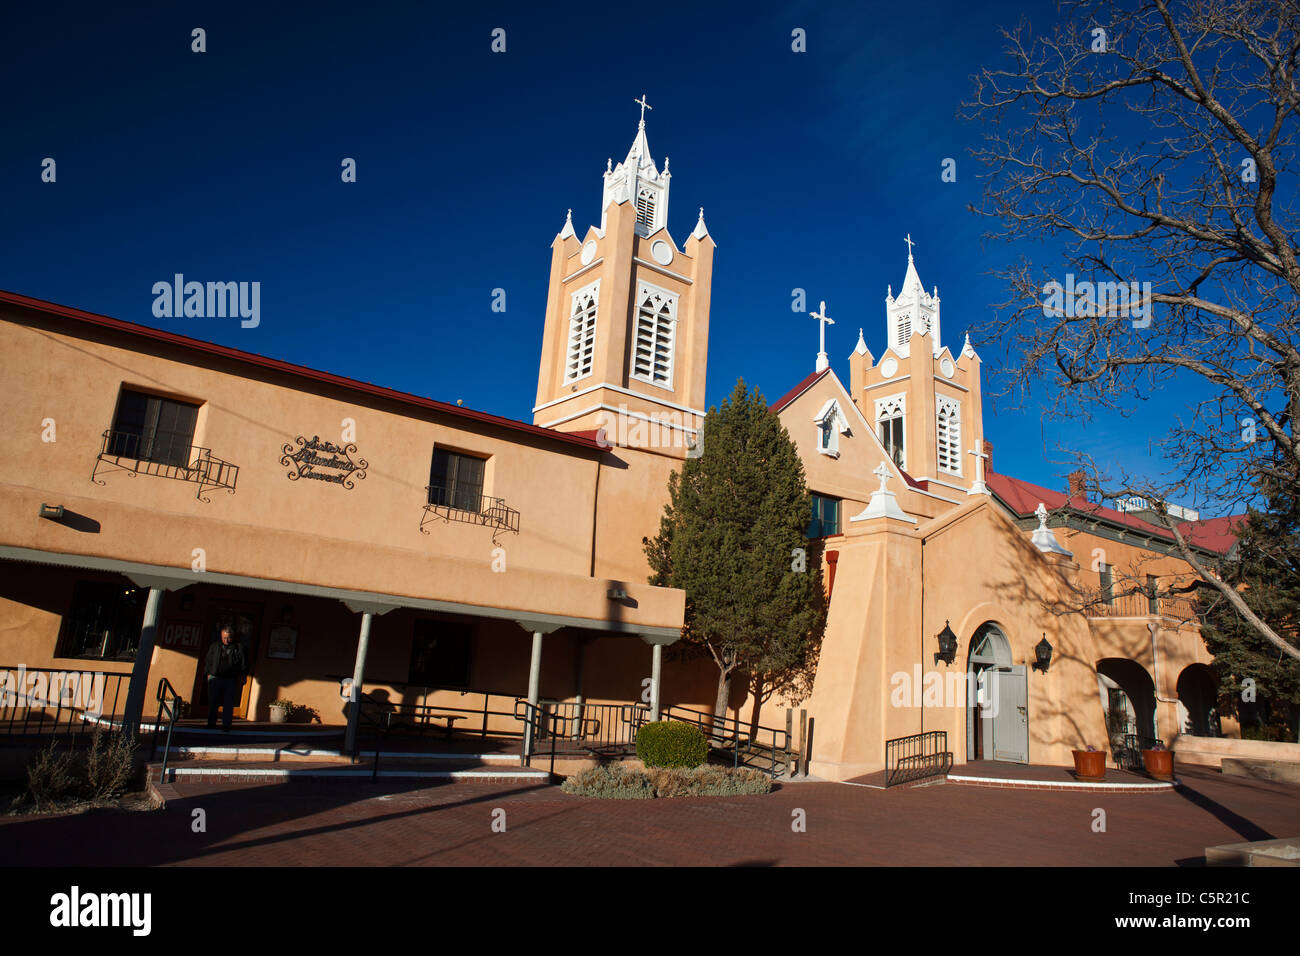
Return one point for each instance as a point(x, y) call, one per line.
point(671, 743)
point(616, 782)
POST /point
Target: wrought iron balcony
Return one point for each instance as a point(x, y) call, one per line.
point(1139, 603)
point(470, 507)
point(148, 455)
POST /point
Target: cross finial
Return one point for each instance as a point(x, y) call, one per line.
point(1041, 514)
point(883, 474)
point(644, 106)
point(823, 361)
point(909, 242)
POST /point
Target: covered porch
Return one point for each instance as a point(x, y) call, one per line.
point(366, 670)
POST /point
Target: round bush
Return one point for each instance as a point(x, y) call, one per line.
point(671, 743)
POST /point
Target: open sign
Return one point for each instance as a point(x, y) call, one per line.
point(181, 634)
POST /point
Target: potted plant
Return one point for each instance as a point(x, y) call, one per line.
point(1090, 764)
point(280, 710)
point(1159, 762)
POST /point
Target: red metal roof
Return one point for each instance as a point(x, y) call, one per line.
point(300, 371)
point(1213, 534)
point(1023, 497)
point(798, 390)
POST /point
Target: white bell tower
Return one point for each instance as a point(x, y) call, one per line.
point(914, 312)
point(637, 180)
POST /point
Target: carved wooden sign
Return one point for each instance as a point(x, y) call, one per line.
point(323, 461)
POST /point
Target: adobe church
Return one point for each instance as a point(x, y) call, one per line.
point(963, 602)
point(904, 495)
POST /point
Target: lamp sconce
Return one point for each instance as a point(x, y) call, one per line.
point(1043, 653)
point(53, 512)
point(616, 594)
point(947, 645)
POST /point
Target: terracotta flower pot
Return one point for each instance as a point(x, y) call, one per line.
point(1159, 763)
point(1090, 764)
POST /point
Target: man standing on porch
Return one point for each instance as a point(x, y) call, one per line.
point(225, 668)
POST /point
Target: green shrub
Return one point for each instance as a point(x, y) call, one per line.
point(671, 743)
point(52, 776)
point(110, 764)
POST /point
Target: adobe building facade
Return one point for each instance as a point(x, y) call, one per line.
point(158, 488)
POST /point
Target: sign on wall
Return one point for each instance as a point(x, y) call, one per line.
point(284, 642)
point(323, 461)
point(181, 634)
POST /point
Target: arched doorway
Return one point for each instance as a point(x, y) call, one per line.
point(997, 712)
point(1198, 695)
point(1128, 700)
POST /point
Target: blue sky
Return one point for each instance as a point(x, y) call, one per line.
point(225, 165)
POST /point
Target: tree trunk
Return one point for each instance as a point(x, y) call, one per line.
point(756, 688)
point(720, 704)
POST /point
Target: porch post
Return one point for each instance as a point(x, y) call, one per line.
point(368, 611)
point(136, 690)
point(534, 690)
point(358, 675)
point(539, 629)
point(656, 663)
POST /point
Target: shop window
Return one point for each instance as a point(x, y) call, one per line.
point(104, 621)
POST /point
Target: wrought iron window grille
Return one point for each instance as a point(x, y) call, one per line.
point(142, 455)
point(453, 504)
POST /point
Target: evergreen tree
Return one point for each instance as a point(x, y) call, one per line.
point(732, 537)
point(1265, 567)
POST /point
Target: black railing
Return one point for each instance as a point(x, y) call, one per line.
point(1129, 756)
point(568, 727)
point(169, 707)
point(470, 508)
point(735, 741)
point(417, 714)
point(39, 701)
point(917, 757)
point(144, 455)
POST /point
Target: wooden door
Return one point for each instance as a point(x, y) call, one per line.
point(1010, 691)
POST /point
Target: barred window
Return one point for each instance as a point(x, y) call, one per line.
point(656, 323)
point(456, 481)
point(582, 333)
point(151, 428)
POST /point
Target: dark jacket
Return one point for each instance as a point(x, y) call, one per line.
point(226, 661)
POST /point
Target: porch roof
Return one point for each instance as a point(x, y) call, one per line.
point(170, 578)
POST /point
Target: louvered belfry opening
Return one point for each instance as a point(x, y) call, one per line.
point(655, 331)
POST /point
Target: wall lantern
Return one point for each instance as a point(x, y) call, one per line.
point(53, 512)
point(947, 645)
point(1043, 651)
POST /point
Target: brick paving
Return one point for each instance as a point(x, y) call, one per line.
point(324, 824)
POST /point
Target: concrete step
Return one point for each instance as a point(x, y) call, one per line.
point(459, 771)
point(279, 752)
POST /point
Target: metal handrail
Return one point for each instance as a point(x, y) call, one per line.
point(411, 706)
point(171, 702)
point(917, 757)
point(744, 738)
